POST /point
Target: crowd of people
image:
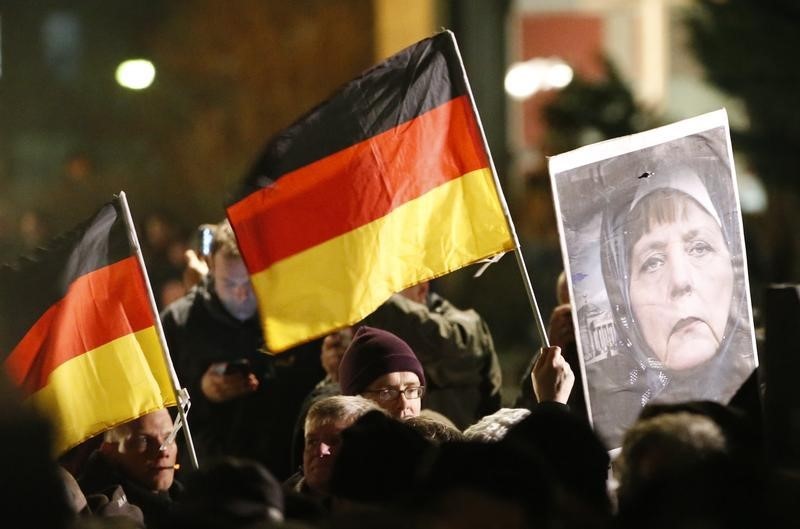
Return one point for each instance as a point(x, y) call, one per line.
point(396, 422)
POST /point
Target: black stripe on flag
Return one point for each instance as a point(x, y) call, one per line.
point(406, 85)
point(29, 287)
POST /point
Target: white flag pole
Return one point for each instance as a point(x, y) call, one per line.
point(181, 395)
point(517, 251)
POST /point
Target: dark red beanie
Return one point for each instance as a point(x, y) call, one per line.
point(372, 354)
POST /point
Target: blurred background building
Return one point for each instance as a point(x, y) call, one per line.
point(215, 80)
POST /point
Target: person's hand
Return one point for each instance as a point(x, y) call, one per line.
point(560, 332)
point(219, 387)
point(196, 269)
point(552, 377)
point(333, 347)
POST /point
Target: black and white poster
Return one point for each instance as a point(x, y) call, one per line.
point(651, 235)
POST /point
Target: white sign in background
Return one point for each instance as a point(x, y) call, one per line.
point(652, 241)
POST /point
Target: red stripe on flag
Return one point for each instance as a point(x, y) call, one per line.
point(99, 307)
point(357, 185)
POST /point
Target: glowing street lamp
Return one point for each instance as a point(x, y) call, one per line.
point(526, 78)
point(135, 74)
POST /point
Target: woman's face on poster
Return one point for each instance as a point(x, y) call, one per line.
point(681, 286)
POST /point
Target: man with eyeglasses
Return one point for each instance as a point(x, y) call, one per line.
point(454, 346)
point(140, 457)
point(381, 367)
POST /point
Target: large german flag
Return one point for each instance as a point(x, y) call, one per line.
point(78, 331)
point(383, 186)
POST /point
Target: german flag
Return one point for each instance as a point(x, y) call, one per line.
point(78, 331)
point(385, 185)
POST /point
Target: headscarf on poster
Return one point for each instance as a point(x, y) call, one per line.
point(652, 241)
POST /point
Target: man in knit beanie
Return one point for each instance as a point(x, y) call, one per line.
point(381, 367)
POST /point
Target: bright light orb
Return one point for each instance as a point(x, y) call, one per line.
point(524, 79)
point(559, 75)
point(136, 74)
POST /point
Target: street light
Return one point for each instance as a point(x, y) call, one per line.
point(526, 78)
point(135, 74)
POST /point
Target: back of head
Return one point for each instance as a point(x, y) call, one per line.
point(231, 493)
point(578, 459)
point(742, 436)
point(664, 444)
point(32, 488)
point(676, 468)
point(372, 354)
point(513, 479)
point(378, 460)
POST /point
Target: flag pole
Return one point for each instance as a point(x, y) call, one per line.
point(181, 395)
point(517, 250)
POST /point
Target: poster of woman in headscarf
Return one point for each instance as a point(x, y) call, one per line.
point(651, 235)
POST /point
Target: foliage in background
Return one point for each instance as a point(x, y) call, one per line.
point(590, 111)
point(748, 49)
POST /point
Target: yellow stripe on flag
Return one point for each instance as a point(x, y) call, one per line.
point(342, 280)
point(114, 383)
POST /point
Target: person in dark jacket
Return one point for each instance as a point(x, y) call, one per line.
point(324, 423)
point(244, 401)
point(139, 457)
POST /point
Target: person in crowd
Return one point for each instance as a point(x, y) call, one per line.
point(477, 484)
point(382, 367)
point(324, 423)
point(333, 347)
point(378, 462)
point(662, 444)
point(676, 469)
point(561, 333)
point(140, 457)
point(33, 493)
point(455, 348)
point(494, 427)
point(244, 401)
point(575, 458)
point(230, 493)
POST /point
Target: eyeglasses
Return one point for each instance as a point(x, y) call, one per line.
point(140, 443)
point(387, 394)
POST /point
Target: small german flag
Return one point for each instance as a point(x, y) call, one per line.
point(385, 185)
point(78, 335)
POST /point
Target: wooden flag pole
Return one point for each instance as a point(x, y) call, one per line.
point(181, 395)
point(517, 251)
